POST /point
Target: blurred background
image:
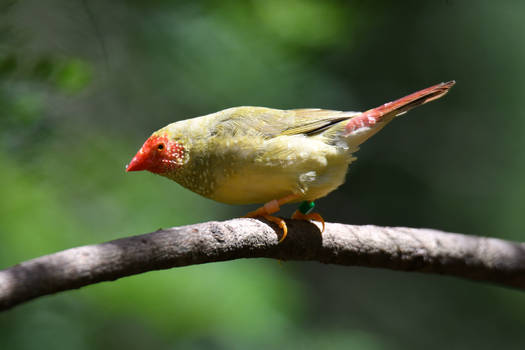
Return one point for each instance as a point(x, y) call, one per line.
point(84, 82)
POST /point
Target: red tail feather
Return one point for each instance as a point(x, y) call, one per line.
point(397, 107)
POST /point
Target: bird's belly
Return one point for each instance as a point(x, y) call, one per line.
point(249, 187)
point(263, 184)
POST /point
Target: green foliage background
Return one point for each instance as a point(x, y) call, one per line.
point(83, 83)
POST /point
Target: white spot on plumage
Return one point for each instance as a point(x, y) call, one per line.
point(360, 130)
point(308, 177)
point(341, 144)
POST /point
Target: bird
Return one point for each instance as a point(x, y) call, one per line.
point(248, 155)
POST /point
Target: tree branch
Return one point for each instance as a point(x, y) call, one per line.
point(399, 248)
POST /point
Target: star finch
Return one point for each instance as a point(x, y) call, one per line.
point(246, 155)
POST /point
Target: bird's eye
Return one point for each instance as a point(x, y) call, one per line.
point(160, 147)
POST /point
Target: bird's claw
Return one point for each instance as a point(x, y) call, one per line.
point(280, 222)
point(307, 217)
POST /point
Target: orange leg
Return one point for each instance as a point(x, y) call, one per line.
point(311, 216)
point(272, 207)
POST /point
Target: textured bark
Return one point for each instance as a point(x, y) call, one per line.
point(397, 248)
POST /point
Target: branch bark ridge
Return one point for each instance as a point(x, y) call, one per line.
point(398, 248)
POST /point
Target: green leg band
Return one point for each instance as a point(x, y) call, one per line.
point(306, 207)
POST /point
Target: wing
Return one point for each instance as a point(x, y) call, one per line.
point(268, 122)
point(310, 121)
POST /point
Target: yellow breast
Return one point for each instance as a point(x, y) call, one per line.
point(279, 167)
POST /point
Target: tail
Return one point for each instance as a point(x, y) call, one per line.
point(366, 124)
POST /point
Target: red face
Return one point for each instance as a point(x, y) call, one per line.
point(158, 155)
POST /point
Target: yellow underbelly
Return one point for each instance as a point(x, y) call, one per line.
point(261, 183)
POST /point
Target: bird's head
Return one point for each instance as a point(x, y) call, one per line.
point(160, 154)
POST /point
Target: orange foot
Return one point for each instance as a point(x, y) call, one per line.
point(270, 208)
point(312, 216)
point(280, 222)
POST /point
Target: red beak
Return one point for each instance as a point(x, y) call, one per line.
point(139, 162)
